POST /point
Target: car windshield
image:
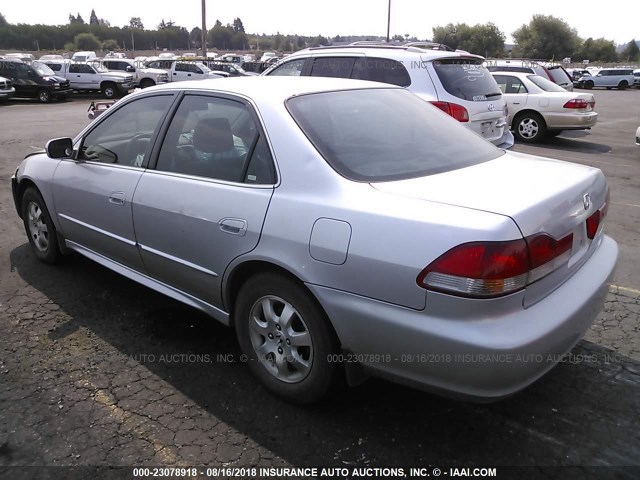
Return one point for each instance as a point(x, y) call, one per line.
point(100, 68)
point(42, 69)
point(544, 84)
point(203, 67)
point(364, 140)
point(467, 78)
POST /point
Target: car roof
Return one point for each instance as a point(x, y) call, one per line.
point(390, 51)
point(275, 88)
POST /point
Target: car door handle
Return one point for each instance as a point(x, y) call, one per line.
point(117, 198)
point(516, 103)
point(233, 226)
point(174, 73)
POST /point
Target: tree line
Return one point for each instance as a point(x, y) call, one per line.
point(544, 37)
point(98, 34)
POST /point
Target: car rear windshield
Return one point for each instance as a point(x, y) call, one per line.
point(544, 84)
point(374, 135)
point(559, 75)
point(467, 78)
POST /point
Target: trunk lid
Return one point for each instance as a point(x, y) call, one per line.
point(541, 195)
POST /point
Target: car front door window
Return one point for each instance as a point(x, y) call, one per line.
point(123, 138)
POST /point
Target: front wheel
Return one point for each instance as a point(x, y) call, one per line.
point(44, 96)
point(288, 340)
point(529, 127)
point(39, 227)
point(588, 84)
point(623, 85)
point(109, 90)
point(146, 83)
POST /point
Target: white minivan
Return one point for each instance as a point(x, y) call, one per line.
point(455, 82)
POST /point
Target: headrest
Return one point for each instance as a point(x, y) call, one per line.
point(213, 135)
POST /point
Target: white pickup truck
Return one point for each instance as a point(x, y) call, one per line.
point(85, 77)
point(142, 77)
point(184, 70)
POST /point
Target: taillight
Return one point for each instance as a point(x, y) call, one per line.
point(593, 222)
point(547, 254)
point(576, 103)
point(596, 218)
point(491, 269)
point(456, 111)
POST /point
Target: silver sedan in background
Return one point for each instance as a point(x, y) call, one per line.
point(539, 108)
point(337, 225)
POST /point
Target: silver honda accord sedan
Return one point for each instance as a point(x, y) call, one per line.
point(343, 228)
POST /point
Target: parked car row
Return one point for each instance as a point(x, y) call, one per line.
point(533, 100)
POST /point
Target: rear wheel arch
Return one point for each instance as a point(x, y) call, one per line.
point(246, 270)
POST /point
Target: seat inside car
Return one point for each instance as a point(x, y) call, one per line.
point(213, 152)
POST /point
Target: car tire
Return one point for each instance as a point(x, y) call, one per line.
point(109, 90)
point(39, 227)
point(588, 84)
point(529, 127)
point(44, 96)
point(292, 355)
point(623, 85)
point(147, 82)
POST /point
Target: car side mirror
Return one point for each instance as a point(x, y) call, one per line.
point(59, 148)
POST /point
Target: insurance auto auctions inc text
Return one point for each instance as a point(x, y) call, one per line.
point(374, 472)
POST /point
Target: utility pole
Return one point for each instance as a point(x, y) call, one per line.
point(204, 28)
point(388, 20)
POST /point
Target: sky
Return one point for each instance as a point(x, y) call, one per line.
point(340, 17)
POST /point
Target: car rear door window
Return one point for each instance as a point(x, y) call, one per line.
point(216, 138)
point(467, 79)
point(335, 67)
point(381, 70)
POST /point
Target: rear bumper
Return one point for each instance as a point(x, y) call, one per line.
point(486, 357)
point(568, 121)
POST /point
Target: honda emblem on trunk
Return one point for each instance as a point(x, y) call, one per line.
point(586, 201)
